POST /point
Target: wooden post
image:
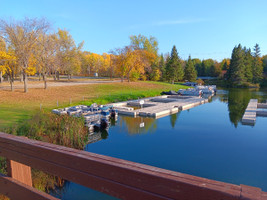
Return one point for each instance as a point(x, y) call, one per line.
point(20, 172)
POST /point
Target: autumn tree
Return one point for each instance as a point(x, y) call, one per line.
point(119, 60)
point(2, 50)
point(8, 66)
point(45, 55)
point(21, 36)
point(68, 54)
point(150, 47)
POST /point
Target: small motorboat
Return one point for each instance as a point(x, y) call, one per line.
point(190, 92)
point(171, 92)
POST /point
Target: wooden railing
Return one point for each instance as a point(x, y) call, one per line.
point(116, 177)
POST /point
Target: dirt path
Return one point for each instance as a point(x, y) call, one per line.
point(35, 84)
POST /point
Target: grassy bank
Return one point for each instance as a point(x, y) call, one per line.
point(17, 106)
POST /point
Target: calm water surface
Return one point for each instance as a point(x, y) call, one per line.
point(207, 141)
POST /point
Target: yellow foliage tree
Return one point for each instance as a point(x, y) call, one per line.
point(31, 70)
point(8, 66)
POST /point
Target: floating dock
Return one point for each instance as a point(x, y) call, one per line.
point(253, 110)
point(159, 106)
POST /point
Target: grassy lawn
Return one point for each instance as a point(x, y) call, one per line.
point(17, 106)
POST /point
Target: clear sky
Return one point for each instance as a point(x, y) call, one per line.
point(202, 28)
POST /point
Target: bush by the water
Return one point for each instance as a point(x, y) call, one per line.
point(48, 127)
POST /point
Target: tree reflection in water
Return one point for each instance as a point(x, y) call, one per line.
point(173, 119)
point(133, 124)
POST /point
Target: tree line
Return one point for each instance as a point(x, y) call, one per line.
point(29, 47)
point(246, 67)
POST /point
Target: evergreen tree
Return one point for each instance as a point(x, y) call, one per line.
point(248, 60)
point(264, 61)
point(162, 68)
point(190, 72)
point(236, 72)
point(197, 65)
point(174, 68)
point(257, 67)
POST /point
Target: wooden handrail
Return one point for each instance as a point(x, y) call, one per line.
point(17, 190)
point(117, 177)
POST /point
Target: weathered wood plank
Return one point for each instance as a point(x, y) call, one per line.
point(116, 177)
point(18, 191)
point(19, 172)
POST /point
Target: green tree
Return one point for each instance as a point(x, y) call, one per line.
point(264, 61)
point(174, 68)
point(206, 67)
point(197, 65)
point(142, 42)
point(162, 67)
point(236, 72)
point(248, 60)
point(257, 67)
point(190, 72)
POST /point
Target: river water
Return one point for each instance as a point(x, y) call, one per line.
point(207, 141)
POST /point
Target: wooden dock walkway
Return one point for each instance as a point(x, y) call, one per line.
point(160, 106)
point(253, 111)
point(250, 114)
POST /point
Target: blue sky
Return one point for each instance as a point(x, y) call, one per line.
point(204, 29)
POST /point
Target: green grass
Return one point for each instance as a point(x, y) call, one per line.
point(111, 94)
point(13, 112)
point(12, 115)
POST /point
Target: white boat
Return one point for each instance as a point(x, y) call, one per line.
point(190, 92)
point(209, 89)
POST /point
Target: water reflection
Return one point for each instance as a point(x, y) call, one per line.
point(173, 119)
point(138, 125)
point(237, 104)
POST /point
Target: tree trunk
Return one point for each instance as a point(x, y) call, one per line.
point(111, 73)
point(128, 77)
point(25, 79)
point(57, 75)
point(11, 81)
point(11, 86)
point(1, 77)
point(69, 77)
point(122, 79)
point(39, 76)
point(172, 81)
point(89, 71)
point(21, 77)
point(45, 81)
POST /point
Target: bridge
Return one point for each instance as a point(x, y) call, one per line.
point(116, 177)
